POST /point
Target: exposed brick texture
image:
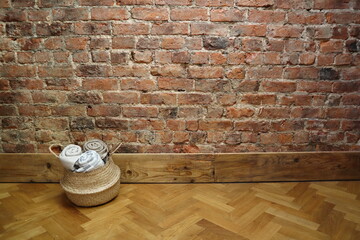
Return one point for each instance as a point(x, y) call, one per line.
point(181, 75)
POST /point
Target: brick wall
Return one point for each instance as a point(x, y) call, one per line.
point(180, 75)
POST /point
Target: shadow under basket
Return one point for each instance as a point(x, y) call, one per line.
point(92, 188)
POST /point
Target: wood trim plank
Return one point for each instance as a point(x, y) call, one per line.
point(201, 168)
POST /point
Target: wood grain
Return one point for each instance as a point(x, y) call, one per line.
point(187, 168)
point(287, 166)
point(244, 211)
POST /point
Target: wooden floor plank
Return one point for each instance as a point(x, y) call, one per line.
point(326, 210)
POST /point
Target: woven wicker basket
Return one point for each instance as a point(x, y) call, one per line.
point(92, 188)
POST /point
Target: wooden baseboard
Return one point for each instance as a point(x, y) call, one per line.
point(201, 168)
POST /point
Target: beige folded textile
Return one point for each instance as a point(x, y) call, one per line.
point(69, 155)
point(99, 146)
point(88, 161)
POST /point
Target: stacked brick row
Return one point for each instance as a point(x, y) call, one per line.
point(180, 75)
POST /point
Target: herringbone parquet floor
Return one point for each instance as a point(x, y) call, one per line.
point(278, 211)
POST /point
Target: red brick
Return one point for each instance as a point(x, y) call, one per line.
point(158, 98)
point(18, 148)
point(351, 99)
point(227, 15)
point(175, 125)
point(93, 28)
point(150, 14)
point(190, 112)
point(112, 123)
point(266, 16)
point(38, 15)
point(104, 43)
point(131, 29)
point(304, 17)
point(142, 56)
point(148, 43)
point(265, 72)
point(17, 71)
point(232, 112)
point(301, 73)
point(325, 59)
point(194, 98)
point(61, 57)
point(248, 30)
point(54, 3)
point(134, 2)
point(173, 2)
point(215, 125)
point(217, 58)
point(172, 43)
point(95, 2)
point(307, 58)
point(351, 73)
point(70, 14)
point(169, 28)
point(8, 110)
point(215, 112)
point(76, 43)
point(343, 59)
point(274, 113)
point(246, 86)
point(178, 84)
point(331, 46)
point(200, 57)
point(226, 99)
point(277, 86)
point(297, 100)
point(81, 57)
point(206, 72)
point(294, 4)
point(116, 57)
point(258, 99)
point(173, 70)
point(347, 113)
point(311, 86)
point(252, 45)
point(12, 15)
point(163, 57)
point(123, 42)
point(301, 112)
point(136, 84)
point(19, 29)
point(208, 29)
point(124, 97)
point(285, 31)
point(109, 14)
point(236, 73)
point(53, 43)
point(130, 71)
point(53, 29)
point(188, 14)
point(236, 58)
point(104, 110)
point(42, 57)
point(210, 85)
point(255, 3)
point(215, 3)
point(180, 57)
point(93, 70)
point(148, 112)
point(331, 4)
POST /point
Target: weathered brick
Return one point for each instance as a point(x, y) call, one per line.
point(169, 28)
point(189, 14)
point(266, 16)
point(96, 2)
point(76, 43)
point(248, 30)
point(109, 14)
point(232, 112)
point(119, 57)
point(206, 72)
point(82, 123)
point(92, 28)
point(19, 29)
point(112, 123)
point(53, 29)
point(173, 70)
point(214, 43)
point(158, 98)
point(331, 4)
point(208, 29)
point(148, 112)
point(124, 97)
point(131, 29)
point(17, 71)
point(258, 99)
point(93, 70)
point(274, 113)
point(215, 125)
point(194, 98)
point(54, 3)
point(12, 15)
point(148, 43)
point(178, 84)
point(150, 14)
point(103, 56)
point(104, 110)
point(70, 14)
point(212, 85)
point(172, 43)
point(142, 56)
point(227, 15)
point(136, 84)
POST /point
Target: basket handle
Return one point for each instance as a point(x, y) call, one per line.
point(115, 149)
point(54, 145)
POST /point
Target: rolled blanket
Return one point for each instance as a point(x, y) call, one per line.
point(88, 161)
point(70, 155)
point(99, 146)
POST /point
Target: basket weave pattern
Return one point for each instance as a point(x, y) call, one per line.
point(94, 187)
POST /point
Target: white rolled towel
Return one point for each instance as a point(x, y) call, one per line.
point(88, 161)
point(99, 146)
point(69, 155)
